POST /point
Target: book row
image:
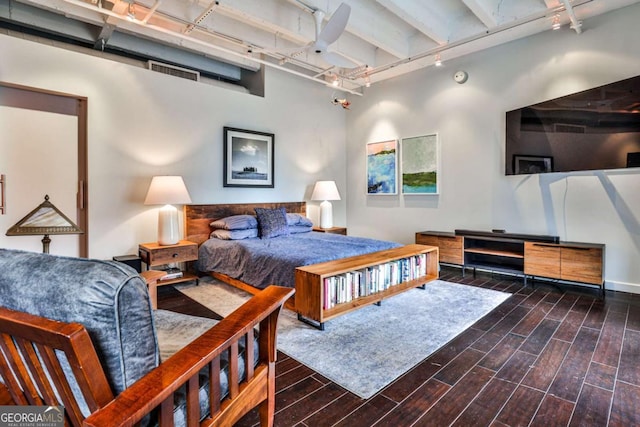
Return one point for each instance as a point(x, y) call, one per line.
point(345, 287)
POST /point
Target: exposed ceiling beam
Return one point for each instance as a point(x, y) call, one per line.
point(421, 16)
point(371, 24)
point(508, 31)
point(485, 10)
point(205, 13)
point(190, 40)
point(575, 24)
point(152, 10)
point(552, 4)
point(391, 37)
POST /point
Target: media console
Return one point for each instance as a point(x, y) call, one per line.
point(529, 255)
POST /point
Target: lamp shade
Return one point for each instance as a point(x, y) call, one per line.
point(45, 219)
point(325, 190)
point(167, 190)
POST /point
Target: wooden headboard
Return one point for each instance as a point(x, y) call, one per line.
point(198, 217)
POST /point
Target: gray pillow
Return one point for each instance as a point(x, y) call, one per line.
point(235, 222)
point(272, 222)
point(298, 219)
point(295, 229)
point(234, 234)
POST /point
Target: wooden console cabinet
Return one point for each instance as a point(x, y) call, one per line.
point(311, 281)
point(449, 244)
point(576, 262)
point(528, 255)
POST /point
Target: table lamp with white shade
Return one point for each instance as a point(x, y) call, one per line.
point(167, 191)
point(325, 191)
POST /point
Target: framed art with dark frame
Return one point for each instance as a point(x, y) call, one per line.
point(420, 165)
point(523, 164)
point(248, 158)
point(382, 167)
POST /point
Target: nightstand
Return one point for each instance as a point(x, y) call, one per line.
point(153, 254)
point(333, 230)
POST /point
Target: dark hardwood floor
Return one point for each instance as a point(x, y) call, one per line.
point(547, 356)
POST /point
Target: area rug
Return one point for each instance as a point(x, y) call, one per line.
point(365, 350)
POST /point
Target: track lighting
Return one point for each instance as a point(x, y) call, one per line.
point(367, 81)
point(438, 60)
point(335, 81)
point(556, 23)
point(343, 102)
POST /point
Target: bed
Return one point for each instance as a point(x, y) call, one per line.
point(254, 263)
point(300, 260)
point(262, 262)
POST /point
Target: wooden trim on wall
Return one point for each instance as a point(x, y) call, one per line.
point(19, 96)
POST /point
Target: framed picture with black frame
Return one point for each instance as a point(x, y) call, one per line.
point(248, 158)
point(525, 164)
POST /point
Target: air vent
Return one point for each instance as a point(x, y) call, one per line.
point(565, 128)
point(172, 70)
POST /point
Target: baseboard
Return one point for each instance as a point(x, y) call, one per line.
point(632, 288)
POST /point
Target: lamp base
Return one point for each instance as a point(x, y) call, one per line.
point(326, 214)
point(45, 244)
point(168, 228)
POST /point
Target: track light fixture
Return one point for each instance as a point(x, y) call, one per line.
point(343, 102)
point(438, 60)
point(556, 23)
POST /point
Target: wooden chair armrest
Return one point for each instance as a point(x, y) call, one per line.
point(159, 385)
point(152, 276)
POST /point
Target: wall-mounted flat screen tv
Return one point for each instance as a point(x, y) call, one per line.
point(596, 129)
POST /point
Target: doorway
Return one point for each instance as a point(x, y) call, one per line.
point(43, 151)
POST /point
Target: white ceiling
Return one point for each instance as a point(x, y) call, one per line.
point(383, 38)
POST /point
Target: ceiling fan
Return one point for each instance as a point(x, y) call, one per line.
point(328, 35)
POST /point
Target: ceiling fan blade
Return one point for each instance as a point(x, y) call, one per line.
point(338, 60)
point(336, 25)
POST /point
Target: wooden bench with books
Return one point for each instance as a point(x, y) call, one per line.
point(330, 289)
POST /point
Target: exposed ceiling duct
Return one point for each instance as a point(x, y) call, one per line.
point(381, 38)
point(109, 38)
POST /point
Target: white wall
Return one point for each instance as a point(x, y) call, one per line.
point(143, 123)
point(601, 207)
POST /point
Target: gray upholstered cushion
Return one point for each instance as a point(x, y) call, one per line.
point(109, 298)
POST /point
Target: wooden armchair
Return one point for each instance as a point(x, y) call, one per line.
point(29, 345)
point(80, 333)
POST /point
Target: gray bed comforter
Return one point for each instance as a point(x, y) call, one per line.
point(262, 262)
